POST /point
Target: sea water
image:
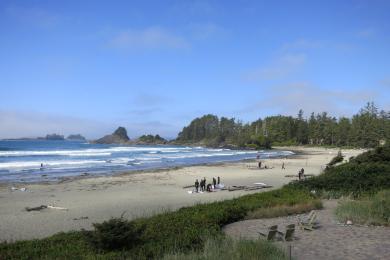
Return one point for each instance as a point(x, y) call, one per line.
point(20, 160)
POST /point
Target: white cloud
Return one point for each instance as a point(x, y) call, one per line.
point(280, 68)
point(148, 38)
point(288, 99)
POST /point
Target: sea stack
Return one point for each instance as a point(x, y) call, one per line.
point(118, 137)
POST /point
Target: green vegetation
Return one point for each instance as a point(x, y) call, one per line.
point(365, 174)
point(373, 210)
point(284, 210)
point(152, 139)
point(365, 129)
point(338, 158)
point(229, 249)
point(181, 231)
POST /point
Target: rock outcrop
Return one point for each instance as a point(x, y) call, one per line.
point(118, 137)
point(150, 139)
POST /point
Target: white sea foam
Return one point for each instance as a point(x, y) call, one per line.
point(49, 164)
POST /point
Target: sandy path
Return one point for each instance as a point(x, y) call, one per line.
point(94, 200)
point(331, 241)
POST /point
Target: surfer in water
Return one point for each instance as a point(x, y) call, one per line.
point(41, 167)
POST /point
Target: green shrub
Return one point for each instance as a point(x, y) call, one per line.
point(338, 158)
point(379, 154)
point(351, 179)
point(116, 233)
point(365, 174)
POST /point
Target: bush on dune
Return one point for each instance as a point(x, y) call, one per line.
point(365, 174)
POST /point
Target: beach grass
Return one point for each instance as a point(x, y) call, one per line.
point(230, 249)
point(284, 210)
point(374, 210)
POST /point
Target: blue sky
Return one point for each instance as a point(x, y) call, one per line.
point(152, 66)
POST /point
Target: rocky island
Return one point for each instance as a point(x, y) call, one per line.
point(54, 137)
point(118, 137)
point(150, 139)
point(76, 137)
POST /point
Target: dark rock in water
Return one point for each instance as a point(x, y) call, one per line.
point(54, 137)
point(150, 139)
point(118, 137)
point(76, 137)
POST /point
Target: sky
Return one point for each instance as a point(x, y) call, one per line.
point(152, 66)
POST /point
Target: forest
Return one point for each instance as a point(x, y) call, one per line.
point(368, 128)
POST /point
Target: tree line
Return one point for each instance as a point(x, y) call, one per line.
point(368, 128)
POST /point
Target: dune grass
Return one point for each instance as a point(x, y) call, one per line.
point(229, 249)
point(373, 210)
point(284, 210)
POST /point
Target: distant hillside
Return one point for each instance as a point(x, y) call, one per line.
point(54, 137)
point(76, 137)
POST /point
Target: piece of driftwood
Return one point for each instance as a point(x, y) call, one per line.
point(189, 186)
point(44, 207)
point(292, 175)
point(36, 208)
point(248, 188)
point(54, 207)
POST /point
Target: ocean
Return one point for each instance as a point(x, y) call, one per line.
point(20, 160)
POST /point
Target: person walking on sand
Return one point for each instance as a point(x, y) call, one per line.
point(197, 185)
point(260, 165)
point(214, 182)
point(303, 173)
point(300, 174)
point(219, 180)
point(201, 185)
point(283, 168)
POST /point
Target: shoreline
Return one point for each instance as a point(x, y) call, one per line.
point(96, 199)
point(86, 175)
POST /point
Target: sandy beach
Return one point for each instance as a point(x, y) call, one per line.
point(91, 200)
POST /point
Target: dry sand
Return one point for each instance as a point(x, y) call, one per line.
point(331, 240)
point(91, 200)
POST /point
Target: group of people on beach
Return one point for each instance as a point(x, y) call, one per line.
point(201, 186)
